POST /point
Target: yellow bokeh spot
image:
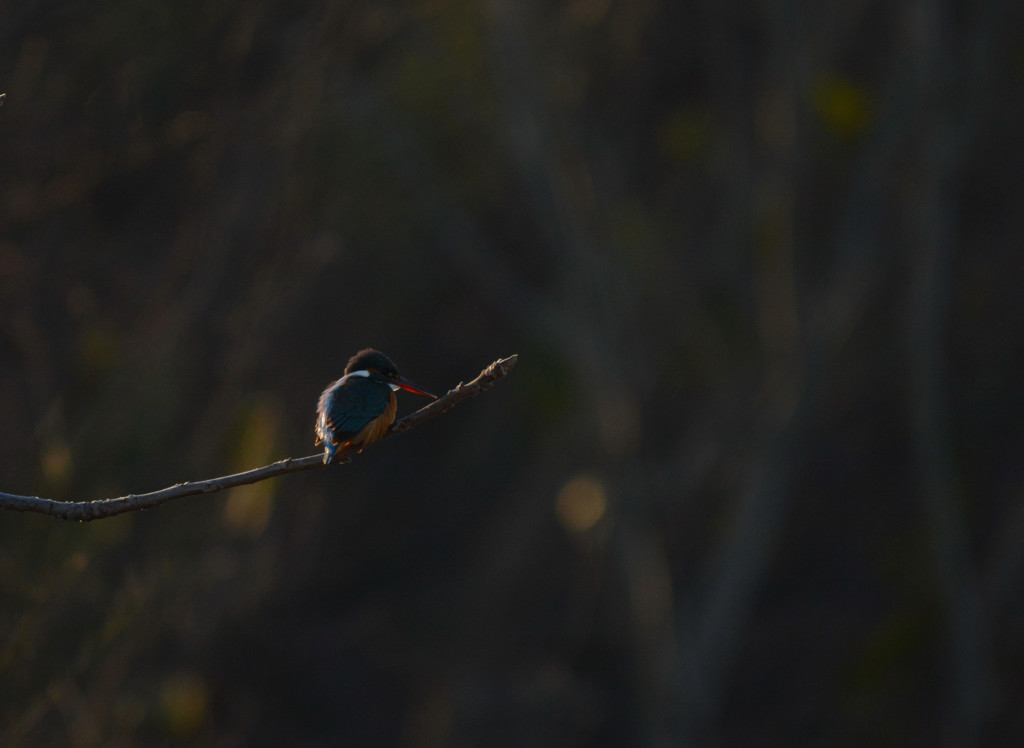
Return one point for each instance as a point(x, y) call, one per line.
point(844, 107)
point(248, 508)
point(581, 503)
point(184, 702)
point(57, 463)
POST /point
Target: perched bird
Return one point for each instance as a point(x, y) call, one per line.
point(357, 410)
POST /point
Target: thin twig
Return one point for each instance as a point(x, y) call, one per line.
point(88, 510)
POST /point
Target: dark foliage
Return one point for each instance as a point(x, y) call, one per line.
point(756, 479)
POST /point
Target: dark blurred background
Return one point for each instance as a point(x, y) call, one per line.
point(756, 479)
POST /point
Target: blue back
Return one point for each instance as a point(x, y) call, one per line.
point(348, 405)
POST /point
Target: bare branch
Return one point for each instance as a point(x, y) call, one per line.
point(88, 510)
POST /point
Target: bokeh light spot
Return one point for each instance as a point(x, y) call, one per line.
point(248, 508)
point(184, 702)
point(845, 108)
point(581, 503)
point(56, 462)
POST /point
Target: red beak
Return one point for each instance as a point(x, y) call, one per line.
point(405, 384)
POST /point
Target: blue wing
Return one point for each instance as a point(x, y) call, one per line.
point(347, 406)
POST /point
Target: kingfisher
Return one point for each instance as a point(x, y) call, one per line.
point(357, 410)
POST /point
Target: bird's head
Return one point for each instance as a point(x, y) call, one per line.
point(370, 362)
